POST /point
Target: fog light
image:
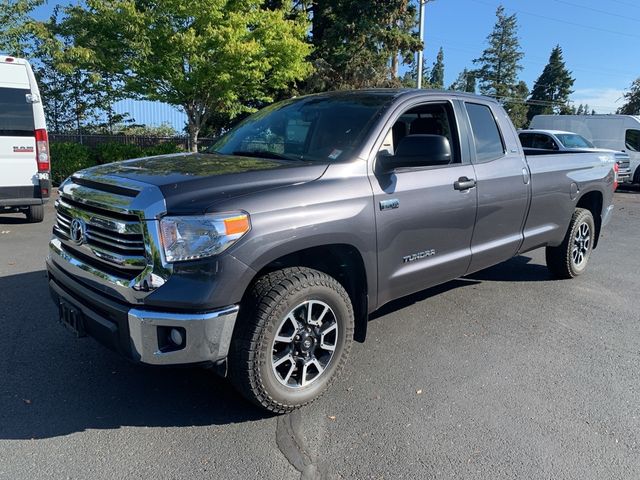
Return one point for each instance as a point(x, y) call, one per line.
point(176, 337)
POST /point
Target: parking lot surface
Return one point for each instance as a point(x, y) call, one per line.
point(503, 374)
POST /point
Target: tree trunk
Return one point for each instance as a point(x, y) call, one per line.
point(194, 131)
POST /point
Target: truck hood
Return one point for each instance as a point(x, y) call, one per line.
point(193, 182)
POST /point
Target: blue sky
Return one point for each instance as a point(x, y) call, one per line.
point(600, 40)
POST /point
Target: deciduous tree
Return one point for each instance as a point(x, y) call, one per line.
point(206, 57)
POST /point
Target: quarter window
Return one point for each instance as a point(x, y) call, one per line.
point(487, 137)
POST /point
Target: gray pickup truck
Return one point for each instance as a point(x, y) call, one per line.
point(264, 256)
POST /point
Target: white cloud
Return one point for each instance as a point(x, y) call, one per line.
point(602, 100)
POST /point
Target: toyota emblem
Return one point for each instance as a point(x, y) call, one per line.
point(78, 231)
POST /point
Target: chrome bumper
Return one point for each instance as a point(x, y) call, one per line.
point(207, 336)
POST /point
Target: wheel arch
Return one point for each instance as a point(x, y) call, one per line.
point(342, 261)
point(593, 201)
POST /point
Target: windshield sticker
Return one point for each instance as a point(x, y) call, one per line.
point(335, 154)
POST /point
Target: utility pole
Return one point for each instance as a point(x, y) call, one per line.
point(423, 5)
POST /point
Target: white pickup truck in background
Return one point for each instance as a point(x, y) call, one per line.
point(24, 144)
point(541, 141)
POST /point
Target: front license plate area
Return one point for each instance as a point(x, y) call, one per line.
point(72, 319)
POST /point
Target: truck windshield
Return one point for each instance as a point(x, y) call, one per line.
point(572, 140)
point(325, 128)
point(16, 115)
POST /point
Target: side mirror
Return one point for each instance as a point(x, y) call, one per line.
point(417, 151)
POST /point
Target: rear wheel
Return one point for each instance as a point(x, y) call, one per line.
point(292, 339)
point(570, 258)
point(35, 213)
point(636, 176)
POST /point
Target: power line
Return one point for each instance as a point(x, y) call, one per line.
point(626, 4)
point(597, 10)
point(566, 22)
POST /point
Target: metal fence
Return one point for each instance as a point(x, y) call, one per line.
point(140, 141)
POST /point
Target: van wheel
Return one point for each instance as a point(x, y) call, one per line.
point(292, 338)
point(636, 176)
point(35, 214)
point(570, 258)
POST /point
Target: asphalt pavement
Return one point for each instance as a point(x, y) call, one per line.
point(504, 374)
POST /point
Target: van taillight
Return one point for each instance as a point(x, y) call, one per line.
point(42, 150)
point(616, 169)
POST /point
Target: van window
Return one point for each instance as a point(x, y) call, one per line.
point(16, 115)
point(632, 140)
point(487, 137)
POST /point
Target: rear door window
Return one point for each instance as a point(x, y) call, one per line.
point(632, 140)
point(489, 145)
point(16, 115)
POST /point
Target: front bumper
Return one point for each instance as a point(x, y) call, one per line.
point(142, 335)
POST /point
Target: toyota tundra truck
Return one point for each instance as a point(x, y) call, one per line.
point(264, 256)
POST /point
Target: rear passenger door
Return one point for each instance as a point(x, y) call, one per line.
point(503, 185)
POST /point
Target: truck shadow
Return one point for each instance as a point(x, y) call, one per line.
point(5, 219)
point(518, 269)
point(52, 384)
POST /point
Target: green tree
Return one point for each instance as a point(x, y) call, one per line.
point(466, 82)
point(410, 77)
point(16, 26)
point(359, 44)
point(436, 80)
point(632, 100)
point(517, 107)
point(500, 63)
point(551, 90)
point(207, 56)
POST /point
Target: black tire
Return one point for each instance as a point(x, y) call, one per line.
point(35, 214)
point(636, 176)
point(570, 258)
point(263, 313)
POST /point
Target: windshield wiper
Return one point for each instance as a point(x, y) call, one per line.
point(264, 154)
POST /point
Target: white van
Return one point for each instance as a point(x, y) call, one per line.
point(616, 132)
point(25, 182)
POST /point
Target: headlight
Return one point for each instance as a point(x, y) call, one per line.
point(193, 237)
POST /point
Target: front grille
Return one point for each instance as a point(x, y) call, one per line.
point(623, 161)
point(113, 241)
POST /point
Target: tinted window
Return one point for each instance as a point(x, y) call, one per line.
point(487, 137)
point(321, 128)
point(632, 140)
point(16, 115)
point(538, 140)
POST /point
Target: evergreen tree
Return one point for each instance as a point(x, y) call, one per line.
point(410, 78)
point(551, 90)
point(500, 63)
point(517, 106)
point(632, 98)
point(466, 82)
point(358, 44)
point(436, 80)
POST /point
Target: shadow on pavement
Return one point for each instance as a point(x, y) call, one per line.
point(52, 384)
point(12, 220)
point(518, 269)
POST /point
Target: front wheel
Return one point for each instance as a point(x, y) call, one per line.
point(570, 258)
point(292, 339)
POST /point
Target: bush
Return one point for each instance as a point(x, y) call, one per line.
point(67, 158)
point(116, 152)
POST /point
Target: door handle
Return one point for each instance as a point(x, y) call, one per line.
point(464, 183)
